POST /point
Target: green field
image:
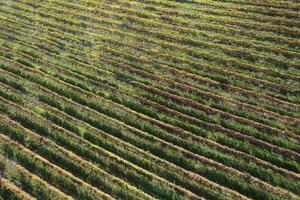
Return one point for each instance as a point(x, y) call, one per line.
point(149, 99)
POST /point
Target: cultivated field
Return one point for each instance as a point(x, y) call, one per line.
point(149, 99)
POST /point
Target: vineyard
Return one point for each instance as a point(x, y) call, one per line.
point(150, 99)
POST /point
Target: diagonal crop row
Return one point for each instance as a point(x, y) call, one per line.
point(171, 35)
point(61, 159)
point(31, 183)
point(57, 114)
point(53, 174)
point(94, 137)
point(160, 107)
point(44, 139)
point(81, 101)
point(8, 190)
point(82, 145)
point(163, 36)
point(103, 27)
point(202, 93)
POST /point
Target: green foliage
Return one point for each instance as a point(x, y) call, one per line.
point(140, 99)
